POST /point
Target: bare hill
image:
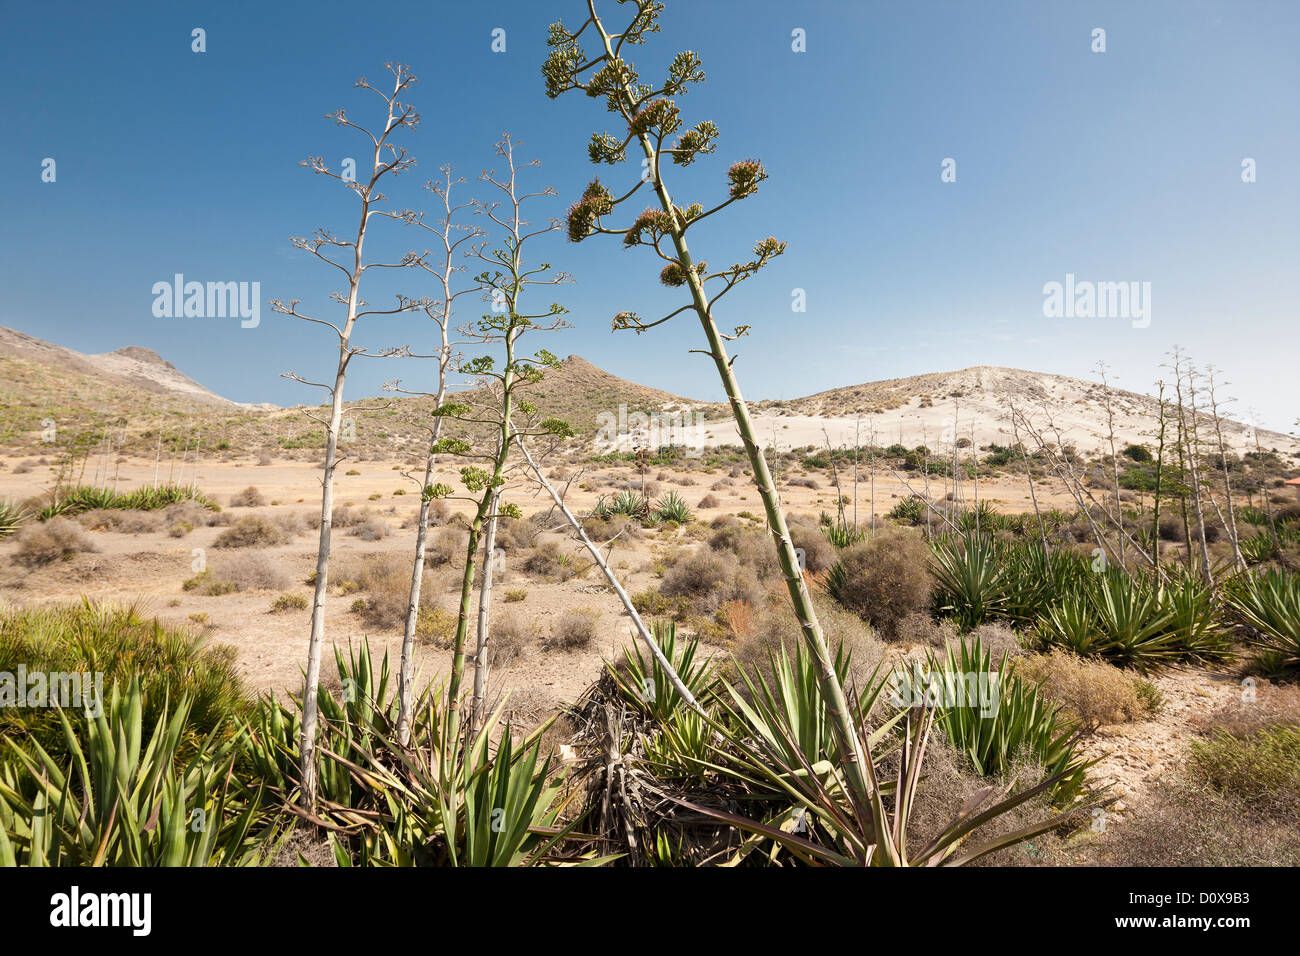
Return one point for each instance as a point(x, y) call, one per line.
point(138, 389)
point(975, 403)
point(129, 367)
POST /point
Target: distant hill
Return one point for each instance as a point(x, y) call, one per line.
point(138, 392)
point(130, 367)
point(975, 403)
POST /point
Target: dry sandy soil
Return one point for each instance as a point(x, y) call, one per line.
point(151, 567)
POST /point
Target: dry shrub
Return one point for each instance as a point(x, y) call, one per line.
point(1182, 824)
point(998, 638)
point(191, 513)
point(447, 547)
point(776, 626)
point(753, 547)
point(372, 530)
point(708, 579)
point(517, 534)
point(600, 530)
point(436, 625)
point(919, 627)
point(575, 630)
point(527, 708)
point(709, 501)
point(1171, 529)
point(549, 562)
point(509, 639)
point(290, 523)
point(252, 531)
point(438, 514)
point(55, 540)
point(950, 784)
point(1262, 769)
point(385, 579)
point(818, 553)
point(803, 483)
point(121, 521)
point(303, 844)
point(250, 571)
point(1092, 692)
point(720, 484)
point(289, 602)
point(250, 497)
point(887, 577)
point(1273, 704)
point(740, 619)
point(343, 516)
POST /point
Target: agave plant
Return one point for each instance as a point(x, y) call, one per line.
point(995, 718)
point(436, 801)
point(820, 818)
point(1268, 604)
point(494, 802)
point(124, 801)
point(788, 696)
point(682, 744)
point(1257, 548)
point(1070, 623)
point(971, 580)
point(366, 711)
point(910, 510)
point(843, 537)
point(1252, 515)
point(1137, 630)
point(1194, 621)
point(645, 686)
point(628, 503)
point(672, 507)
point(984, 518)
point(12, 516)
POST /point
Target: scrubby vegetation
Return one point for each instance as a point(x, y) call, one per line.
point(932, 684)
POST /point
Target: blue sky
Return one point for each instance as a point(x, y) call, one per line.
point(1115, 166)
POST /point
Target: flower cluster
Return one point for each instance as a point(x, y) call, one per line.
point(654, 221)
point(595, 202)
point(744, 177)
point(675, 275)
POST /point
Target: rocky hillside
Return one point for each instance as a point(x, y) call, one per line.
point(137, 392)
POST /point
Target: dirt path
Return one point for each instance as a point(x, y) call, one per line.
point(1132, 757)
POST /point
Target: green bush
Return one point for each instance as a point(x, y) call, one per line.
point(997, 719)
point(119, 643)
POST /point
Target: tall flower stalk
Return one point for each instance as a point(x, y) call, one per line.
point(450, 236)
point(651, 119)
point(386, 159)
point(500, 412)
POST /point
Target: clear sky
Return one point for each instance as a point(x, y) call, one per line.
point(1122, 166)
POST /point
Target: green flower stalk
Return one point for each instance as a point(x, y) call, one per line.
point(503, 414)
point(653, 122)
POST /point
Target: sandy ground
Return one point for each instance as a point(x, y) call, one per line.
point(150, 567)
